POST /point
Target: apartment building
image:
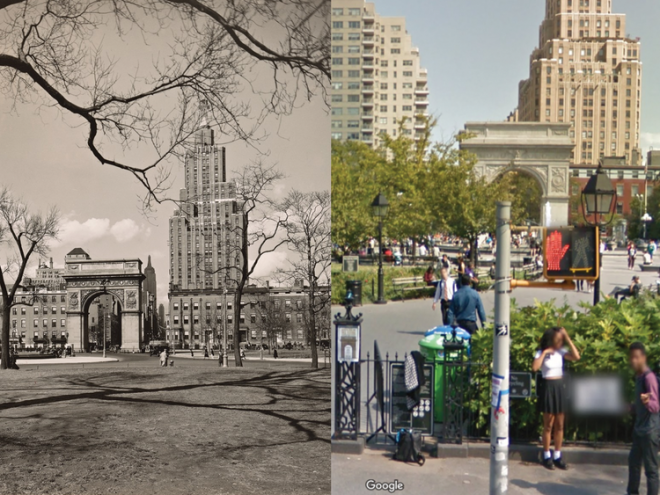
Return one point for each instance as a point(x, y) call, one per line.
point(587, 71)
point(377, 79)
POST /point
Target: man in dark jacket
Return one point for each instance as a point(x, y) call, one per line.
point(465, 306)
point(646, 431)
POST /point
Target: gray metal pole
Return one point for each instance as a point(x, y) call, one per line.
point(499, 416)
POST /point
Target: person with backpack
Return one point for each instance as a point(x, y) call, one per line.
point(549, 358)
point(646, 430)
point(444, 292)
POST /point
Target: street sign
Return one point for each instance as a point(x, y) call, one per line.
point(571, 253)
point(350, 263)
point(422, 414)
point(520, 385)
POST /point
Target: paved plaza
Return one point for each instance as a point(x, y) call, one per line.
point(399, 326)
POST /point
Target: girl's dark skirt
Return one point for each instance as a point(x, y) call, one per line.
point(552, 396)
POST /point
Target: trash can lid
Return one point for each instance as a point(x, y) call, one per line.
point(435, 337)
point(447, 329)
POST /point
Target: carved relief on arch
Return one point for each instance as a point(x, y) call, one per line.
point(558, 180)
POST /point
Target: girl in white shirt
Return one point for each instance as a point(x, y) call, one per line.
point(551, 396)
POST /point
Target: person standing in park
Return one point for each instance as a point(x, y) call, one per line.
point(464, 307)
point(444, 292)
point(163, 358)
point(632, 252)
point(206, 352)
point(549, 358)
point(652, 247)
point(646, 431)
point(444, 262)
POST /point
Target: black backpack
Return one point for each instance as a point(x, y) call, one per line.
point(409, 447)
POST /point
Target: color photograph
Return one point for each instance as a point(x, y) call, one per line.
point(495, 221)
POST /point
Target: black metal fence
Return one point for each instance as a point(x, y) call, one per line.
point(465, 399)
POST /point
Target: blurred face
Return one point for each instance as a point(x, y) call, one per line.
point(558, 341)
point(637, 360)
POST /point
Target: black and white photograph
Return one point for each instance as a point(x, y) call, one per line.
point(165, 247)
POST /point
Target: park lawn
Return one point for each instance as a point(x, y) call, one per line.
point(164, 431)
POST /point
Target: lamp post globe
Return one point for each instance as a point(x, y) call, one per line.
point(598, 201)
point(380, 207)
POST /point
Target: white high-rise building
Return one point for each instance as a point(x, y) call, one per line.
point(377, 80)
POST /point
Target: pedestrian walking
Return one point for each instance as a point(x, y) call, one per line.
point(220, 356)
point(275, 353)
point(646, 430)
point(652, 247)
point(632, 252)
point(206, 352)
point(192, 354)
point(549, 358)
point(212, 353)
point(444, 263)
point(163, 358)
point(444, 292)
point(465, 306)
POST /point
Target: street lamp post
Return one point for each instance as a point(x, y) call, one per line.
point(380, 207)
point(225, 351)
point(598, 200)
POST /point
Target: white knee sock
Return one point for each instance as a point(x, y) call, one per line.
point(557, 454)
point(546, 454)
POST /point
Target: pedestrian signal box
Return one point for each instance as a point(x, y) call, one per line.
point(571, 253)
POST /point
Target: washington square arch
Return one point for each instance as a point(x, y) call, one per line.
point(540, 150)
point(86, 279)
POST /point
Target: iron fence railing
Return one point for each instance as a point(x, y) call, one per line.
point(464, 407)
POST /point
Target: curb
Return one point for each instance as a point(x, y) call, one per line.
point(532, 453)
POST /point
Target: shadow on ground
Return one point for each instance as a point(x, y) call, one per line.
point(165, 431)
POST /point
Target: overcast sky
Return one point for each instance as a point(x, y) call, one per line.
point(476, 52)
point(43, 158)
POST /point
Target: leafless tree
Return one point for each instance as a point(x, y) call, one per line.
point(273, 321)
point(23, 234)
point(59, 53)
point(308, 235)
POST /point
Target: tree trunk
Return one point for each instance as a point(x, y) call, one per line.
point(238, 296)
point(5, 336)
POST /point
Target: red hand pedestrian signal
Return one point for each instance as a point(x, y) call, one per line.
point(555, 251)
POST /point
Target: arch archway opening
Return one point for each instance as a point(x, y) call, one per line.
point(525, 191)
point(102, 317)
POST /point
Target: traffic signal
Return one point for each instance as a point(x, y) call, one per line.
point(571, 253)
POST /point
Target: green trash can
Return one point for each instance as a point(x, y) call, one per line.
point(432, 347)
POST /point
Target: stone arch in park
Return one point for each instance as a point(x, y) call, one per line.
point(540, 150)
point(86, 279)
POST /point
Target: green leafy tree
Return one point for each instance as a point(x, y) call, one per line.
point(354, 167)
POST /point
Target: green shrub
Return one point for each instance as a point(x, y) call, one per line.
point(602, 334)
point(369, 274)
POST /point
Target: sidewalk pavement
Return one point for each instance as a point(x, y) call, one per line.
point(186, 355)
point(67, 360)
point(471, 476)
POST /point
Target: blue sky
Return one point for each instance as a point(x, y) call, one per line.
point(477, 51)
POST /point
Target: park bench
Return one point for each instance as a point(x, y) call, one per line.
point(404, 284)
point(648, 268)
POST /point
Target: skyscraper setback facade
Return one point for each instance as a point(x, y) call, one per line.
point(377, 80)
point(586, 72)
point(204, 232)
